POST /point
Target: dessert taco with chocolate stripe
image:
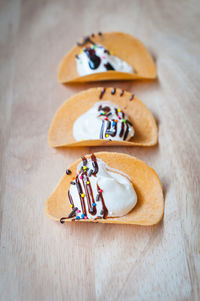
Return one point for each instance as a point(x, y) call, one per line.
point(101, 116)
point(108, 188)
point(107, 56)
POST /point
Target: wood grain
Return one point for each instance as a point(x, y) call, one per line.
point(43, 260)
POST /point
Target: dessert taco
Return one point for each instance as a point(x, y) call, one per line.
point(108, 188)
point(107, 56)
point(101, 116)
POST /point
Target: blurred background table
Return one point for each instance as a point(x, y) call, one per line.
point(44, 260)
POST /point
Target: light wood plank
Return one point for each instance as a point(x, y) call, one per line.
point(42, 260)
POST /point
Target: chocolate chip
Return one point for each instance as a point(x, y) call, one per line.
point(68, 172)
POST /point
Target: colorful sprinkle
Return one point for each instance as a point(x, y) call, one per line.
point(119, 117)
point(100, 191)
point(82, 215)
point(93, 204)
point(124, 120)
point(107, 135)
point(82, 195)
point(114, 123)
point(119, 110)
point(116, 120)
point(71, 205)
point(85, 217)
point(88, 182)
point(78, 211)
point(84, 167)
point(77, 217)
point(81, 177)
point(106, 118)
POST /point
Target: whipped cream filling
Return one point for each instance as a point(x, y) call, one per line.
point(95, 58)
point(103, 121)
point(99, 191)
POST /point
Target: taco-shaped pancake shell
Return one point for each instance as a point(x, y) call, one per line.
point(124, 46)
point(61, 130)
point(149, 208)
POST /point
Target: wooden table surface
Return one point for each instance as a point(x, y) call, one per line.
point(44, 260)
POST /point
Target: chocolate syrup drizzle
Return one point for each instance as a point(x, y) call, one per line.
point(94, 60)
point(102, 93)
point(85, 41)
point(89, 196)
point(105, 210)
point(108, 66)
point(109, 127)
point(88, 40)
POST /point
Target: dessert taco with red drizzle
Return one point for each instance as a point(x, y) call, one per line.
point(108, 188)
point(101, 116)
point(107, 56)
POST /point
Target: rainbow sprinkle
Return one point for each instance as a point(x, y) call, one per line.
point(82, 195)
